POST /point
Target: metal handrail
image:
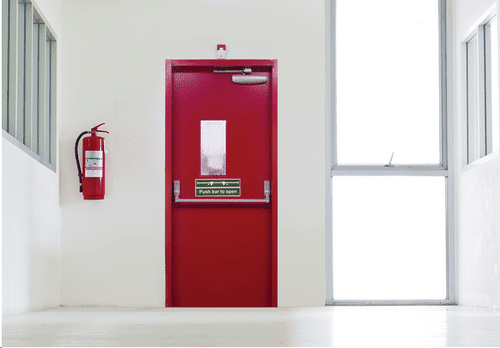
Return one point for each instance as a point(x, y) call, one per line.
point(177, 194)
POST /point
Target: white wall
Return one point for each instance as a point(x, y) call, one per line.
point(30, 233)
point(31, 217)
point(478, 192)
point(113, 71)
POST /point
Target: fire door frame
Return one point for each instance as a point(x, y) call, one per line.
point(177, 65)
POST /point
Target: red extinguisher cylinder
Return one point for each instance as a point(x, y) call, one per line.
point(93, 176)
point(94, 164)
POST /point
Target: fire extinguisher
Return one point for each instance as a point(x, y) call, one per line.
point(92, 179)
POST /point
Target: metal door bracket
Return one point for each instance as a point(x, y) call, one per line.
point(234, 71)
point(244, 78)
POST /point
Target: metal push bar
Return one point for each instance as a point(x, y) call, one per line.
point(177, 199)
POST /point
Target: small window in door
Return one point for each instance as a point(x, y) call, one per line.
point(213, 147)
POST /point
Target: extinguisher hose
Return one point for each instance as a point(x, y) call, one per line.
point(78, 159)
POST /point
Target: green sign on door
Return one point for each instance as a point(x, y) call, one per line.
point(218, 188)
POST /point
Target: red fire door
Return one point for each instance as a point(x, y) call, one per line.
point(221, 183)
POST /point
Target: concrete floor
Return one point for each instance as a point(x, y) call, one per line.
point(323, 326)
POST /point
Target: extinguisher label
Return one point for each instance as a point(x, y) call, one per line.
point(93, 164)
point(93, 154)
point(93, 172)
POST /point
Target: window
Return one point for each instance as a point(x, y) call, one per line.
point(397, 250)
point(387, 82)
point(213, 148)
point(481, 123)
point(29, 81)
point(390, 225)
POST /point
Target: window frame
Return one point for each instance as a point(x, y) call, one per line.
point(29, 84)
point(477, 135)
point(441, 169)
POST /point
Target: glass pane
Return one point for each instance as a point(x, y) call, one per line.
point(389, 238)
point(21, 79)
point(473, 135)
point(388, 81)
point(492, 37)
point(213, 147)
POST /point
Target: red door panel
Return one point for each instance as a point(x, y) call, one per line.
point(221, 254)
point(216, 262)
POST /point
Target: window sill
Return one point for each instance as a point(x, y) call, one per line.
point(482, 161)
point(374, 170)
point(28, 151)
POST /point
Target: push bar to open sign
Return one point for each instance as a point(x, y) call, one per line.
point(177, 194)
